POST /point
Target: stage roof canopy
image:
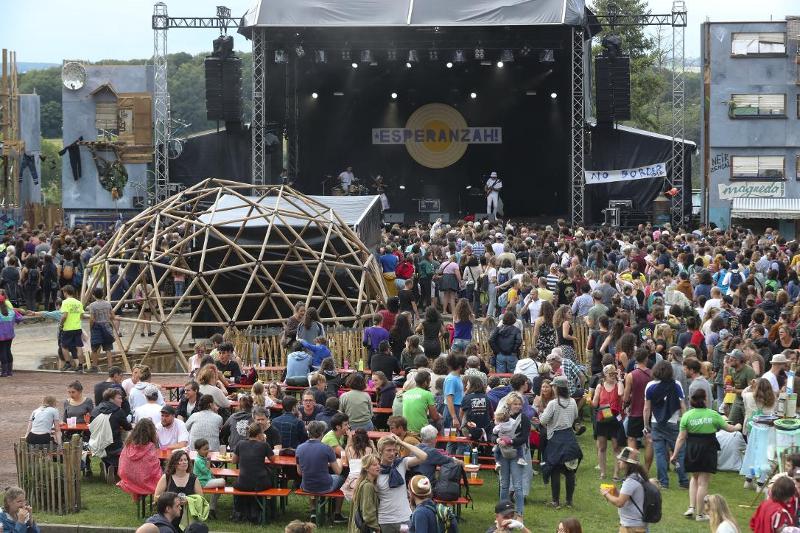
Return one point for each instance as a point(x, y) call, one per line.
point(359, 13)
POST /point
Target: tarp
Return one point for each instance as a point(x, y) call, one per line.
point(780, 208)
point(357, 13)
point(625, 147)
point(361, 213)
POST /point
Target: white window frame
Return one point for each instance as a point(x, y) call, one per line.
point(747, 44)
point(761, 167)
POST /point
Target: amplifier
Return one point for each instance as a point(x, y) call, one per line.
point(625, 204)
point(612, 216)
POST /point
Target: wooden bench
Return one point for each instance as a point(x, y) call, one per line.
point(457, 503)
point(320, 514)
point(261, 498)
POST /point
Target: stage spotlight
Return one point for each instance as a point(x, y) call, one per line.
point(507, 56)
point(299, 50)
point(553, 95)
point(314, 96)
point(433, 55)
point(459, 57)
point(354, 64)
point(402, 187)
point(449, 64)
point(547, 56)
point(394, 96)
point(338, 93)
point(480, 53)
point(473, 95)
point(468, 187)
point(408, 65)
point(413, 57)
point(345, 55)
point(320, 56)
point(281, 57)
point(366, 56)
point(500, 64)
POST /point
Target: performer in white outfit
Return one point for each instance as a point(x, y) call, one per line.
point(493, 186)
point(346, 179)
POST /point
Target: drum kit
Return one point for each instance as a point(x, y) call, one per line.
point(356, 189)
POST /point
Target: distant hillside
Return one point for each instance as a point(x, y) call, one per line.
point(23, 67)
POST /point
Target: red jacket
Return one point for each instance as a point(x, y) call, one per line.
point(770, 517)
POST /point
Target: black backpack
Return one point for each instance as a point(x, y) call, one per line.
point(651, 511)
point(448, 484)
point(33, 278)
point(736, 280)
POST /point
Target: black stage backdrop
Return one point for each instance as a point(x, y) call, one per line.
point(224, 154)
point(616, 149)
point(533, 159)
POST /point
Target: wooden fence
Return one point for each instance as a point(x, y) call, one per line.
point(50, 476)
point(345, 344)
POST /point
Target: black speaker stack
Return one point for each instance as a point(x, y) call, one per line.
point(223, 82)
point(613, 88)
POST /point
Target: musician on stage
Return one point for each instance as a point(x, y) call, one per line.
point(285, 179)
point(346, 178)
point(380, 188)
point(492, 189)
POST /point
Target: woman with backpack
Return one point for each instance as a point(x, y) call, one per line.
point(67, 271)
point(30, 282)
point(49, 283)
point(698, 431)
point(630, 500)
point(9, 280)
point(563, 454)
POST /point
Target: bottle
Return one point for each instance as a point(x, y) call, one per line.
point(347, 364)
point(360, 365)
point(474, 458)
point(790, 382)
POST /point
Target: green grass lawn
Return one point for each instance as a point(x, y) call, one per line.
point(104, 505)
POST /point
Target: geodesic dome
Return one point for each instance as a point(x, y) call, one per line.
point(248, 254)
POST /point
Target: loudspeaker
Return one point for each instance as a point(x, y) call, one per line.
point(223, 88)
point(613, 88)
point(393, 218)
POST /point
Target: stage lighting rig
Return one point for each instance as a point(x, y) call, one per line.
point(320, 56)
point(394, 96)
point(473, 95)
point(554, 95)
point(480, 53)
point(433, 54)
point(366, 56)
point(459, 57)
point(449, 64)
point(547, 56)
point(345, 55)
point(507, 56)
point(314, 96)
point(391, 54)
point(299, 50)
point(281, 57)
point(413, 57)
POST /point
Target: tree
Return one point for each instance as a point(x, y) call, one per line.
point(51, 172)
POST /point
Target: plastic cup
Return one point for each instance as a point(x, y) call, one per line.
point(277, 449)
point(473, 475)
point(610, 487)
point(447, 433)
point(71, 422)
point(467, 458)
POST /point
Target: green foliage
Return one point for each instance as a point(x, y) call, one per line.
point(47, 84)
point(51, 172)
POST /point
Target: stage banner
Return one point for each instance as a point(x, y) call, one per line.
point(437, 135)
point(593, 177)
point(751, 189)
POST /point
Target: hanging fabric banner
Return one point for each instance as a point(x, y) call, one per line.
point(658, 170)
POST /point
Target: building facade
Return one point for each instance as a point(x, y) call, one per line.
point(750, 114)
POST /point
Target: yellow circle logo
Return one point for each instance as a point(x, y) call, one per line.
point(436, 142)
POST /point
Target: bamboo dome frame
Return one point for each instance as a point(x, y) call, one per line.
point(287, 217)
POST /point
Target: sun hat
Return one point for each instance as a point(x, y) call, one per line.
point(628, 455)
point(420, 486)
point(779, 358)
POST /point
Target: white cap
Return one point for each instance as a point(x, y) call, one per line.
point(493, 175)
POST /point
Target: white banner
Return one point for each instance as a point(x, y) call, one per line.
point(751, 189)
point(658, 170)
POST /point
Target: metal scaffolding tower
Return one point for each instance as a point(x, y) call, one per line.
point(162, 130)
point(257, 125)
point(577, 129)
point(677, 19)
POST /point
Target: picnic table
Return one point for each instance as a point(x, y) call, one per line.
point(80, 426)
point(375, 435)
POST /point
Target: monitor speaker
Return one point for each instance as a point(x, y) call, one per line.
point(393, 218)
point(613, 88)
point(224, 88)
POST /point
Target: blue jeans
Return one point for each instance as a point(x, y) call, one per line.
point(460, 344)
point(179, 288)
point(506, 363)
point(369, 426)
point(492, 309)
point(664, 436)
point(512, 473)
point(453, 448)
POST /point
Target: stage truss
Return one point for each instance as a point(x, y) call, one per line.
point(677, 20)
point(306, 253)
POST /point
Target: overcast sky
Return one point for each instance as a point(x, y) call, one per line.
point(52, 30)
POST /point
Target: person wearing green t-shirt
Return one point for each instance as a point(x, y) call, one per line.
point(336, 437)
point(71, 332)
point(742, 374)
point(699, 426)
point(418, 403)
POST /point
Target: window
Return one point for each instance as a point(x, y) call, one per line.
point(753, 44)
point(757, 105)
point(758, 167)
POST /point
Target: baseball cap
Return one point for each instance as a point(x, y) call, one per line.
point(168, 410)
point(420, 486)
point(736, 354)
point(724, 334)
point(504, 507)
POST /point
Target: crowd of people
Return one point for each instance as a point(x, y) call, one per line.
point(518, 337)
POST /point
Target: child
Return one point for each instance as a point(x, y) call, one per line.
point(773, 514)
point(407, 301)
point(504, 427)
point(203, 473)
point(318, 382)
point(319, 351)
point(260, 399)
